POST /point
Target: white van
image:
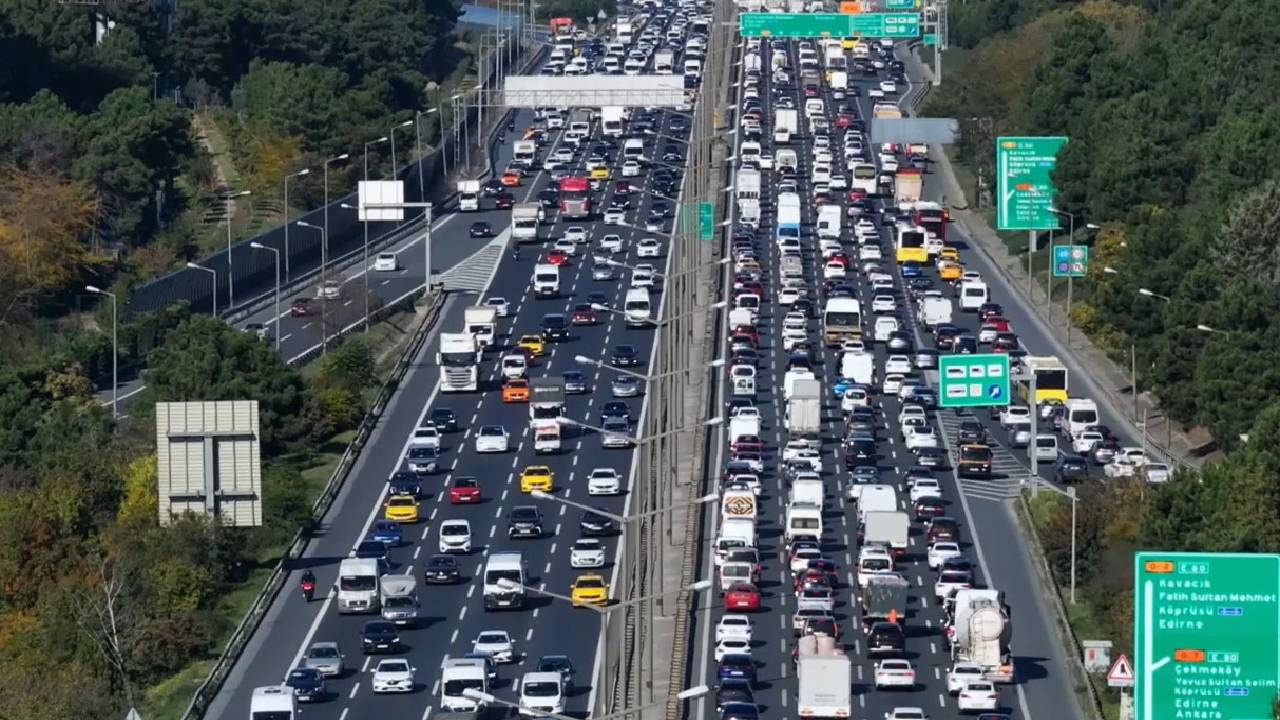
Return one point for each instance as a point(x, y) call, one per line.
point(859, 367)
point(546, 280)
point(633, 149)
point(457, 675)
point(973, 295)
point(358, 585)
point(806, 491)
point(541, 694)
point(734, 533)
point(743, 380)
point(875, 498)
point(273, 702)
point(804, 520)
point(693, 68)
point(637, 308)
point(1081, 413)
point(500, 569)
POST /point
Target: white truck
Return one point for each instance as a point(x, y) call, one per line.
point(525, 218)
point(459, 361)
point(804, 409)
point(546, 407)
point(613, 121)
point(504, 581)
point(980, 631)
point(482, 322)
point(738, 504)
point(934, 310)
point(469, 195)
point(823, 671)
point(358, 585)
point(546, 280)
point(524, 153)
point(887, 528)
point(747, 189)
point(829, 219)
point(786, 124)
point(858, 366)
point(664, 61)
point(399, 599)
point(457, 675)
point(839, 84)
point(744, 426)
point(907, 185)
point(794, 377)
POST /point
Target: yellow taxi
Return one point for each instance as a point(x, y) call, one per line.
point(950, 271)
point(516, 390)
point(537, 477)
point(601, 173)
point(532, 344)
point(590, 590)
point(401, 508)
point(949, 253)
point(510, 178)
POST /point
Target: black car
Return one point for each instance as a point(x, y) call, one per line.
point(575, 383)
point(944, 528)
point(593, 524)
point(559, 664)
point(492, 187)
point(624, 356)
point(932, 457)
point(524, 521)
point(944, 336)
point(965, 344)
point(481, 230)
point(739, 711)
point(371, 550)
point(598, 298)
point(442, 570)
point(549, 198)
point(885, 638)
point(380, 636)
point(860, 451)
point(555, 326)
point(615, 409)
point(307, 684)
point(928, 508)
point(444, 419)
point(504, 201)
point(734, 691)
point(405, 483)
point(971, 432)
point(1070, 468)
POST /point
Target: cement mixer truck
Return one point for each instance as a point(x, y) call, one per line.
point(979, 632)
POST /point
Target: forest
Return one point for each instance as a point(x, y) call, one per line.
point(1171, 111)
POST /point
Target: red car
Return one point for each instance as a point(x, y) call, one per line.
point(808, 577)
point(999, 323)
point(583, 315)
point(464, 490)
point(558, 257)
point(748, 331)
point(622, 187)
point(742, 596)
point(301, 307)
point(857, 195)
point(748, 443)
point(1005, 342)
point(989, 309)
point(839, 259)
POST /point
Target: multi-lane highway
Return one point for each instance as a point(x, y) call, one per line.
point(452, 615)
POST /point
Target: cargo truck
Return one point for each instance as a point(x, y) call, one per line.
point(804, 409)
point(823, 671)
point(469, 195)
point(979, 632)
point(613, 121)
point(786, 123)
point(747, 189)
point(907, 185)
point(459, 361)
point(884, 597)
point(481, 321)
point(546, 407)
point(525, 218)
point(887, 528)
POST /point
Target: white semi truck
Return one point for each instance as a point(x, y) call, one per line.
point(823, 671)
point(979, 632)
point(459, 361)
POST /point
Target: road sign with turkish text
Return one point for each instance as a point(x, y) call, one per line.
point(1206, 635)
point(836, 25)
point(1070, 261)
point(973, 380)
point(1024, 183)
point(707, 220)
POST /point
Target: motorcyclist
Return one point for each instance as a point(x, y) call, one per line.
point(515, 252)
point(511, 126)
point(308, 585)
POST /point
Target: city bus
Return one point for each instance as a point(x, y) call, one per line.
point(933, 217)
point(864, 178)
point(575, 198)
point(911, 244)
point(841, 320)
point(1050, 376)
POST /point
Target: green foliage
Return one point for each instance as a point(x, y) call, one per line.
point(351, 365)
point(330, 410)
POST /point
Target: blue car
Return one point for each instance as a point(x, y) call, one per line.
point(387, 532)
point(737, 666)
point(911, 269)
point(840, 385)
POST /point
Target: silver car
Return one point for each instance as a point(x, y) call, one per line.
point(602, 271)
point(325, 657)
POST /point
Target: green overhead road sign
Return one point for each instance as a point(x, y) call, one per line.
point(1023, 183)
point(1070, 261)
point(1206, 635)
point(707, 220)
point(930, 39)
point(973, 380)
point(836, 25)
point(901, 5)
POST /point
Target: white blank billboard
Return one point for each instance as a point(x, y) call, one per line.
point(529, 91)
point(209, 461)
point(381, 192)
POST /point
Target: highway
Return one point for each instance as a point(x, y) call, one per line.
point(989, 533)
point(453, 615)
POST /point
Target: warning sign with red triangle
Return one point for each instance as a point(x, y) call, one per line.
point(1121, 673)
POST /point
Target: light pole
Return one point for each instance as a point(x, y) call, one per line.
point(259, 246)
point(391, 134)
point(324, 288)
point(1147, 293)
point(300, 173)
point(324, 236)
point(491, 699)
point(417, 138)
point(348, 206)
point(115, 350)
point(1070, 494)
point(1133, 356)
point(382, 139)
point(214, 273)
point(231, 275)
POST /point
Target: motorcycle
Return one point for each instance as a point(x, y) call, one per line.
point(308, 588)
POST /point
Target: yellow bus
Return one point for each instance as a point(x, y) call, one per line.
point(1051, 379)
point(911, 244)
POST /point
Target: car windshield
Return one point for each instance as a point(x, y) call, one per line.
point(324, 652)
point(542, 689)
point(972, 452)
point(393, 666)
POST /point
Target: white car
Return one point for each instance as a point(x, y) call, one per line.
point(492, 439)
point(1083, 442)
point(949, 580)
point(961, 674)
point(455, 536)
point(888, 86)
point(900, 364)
point(833, 271)
point(1015, 415)
point(497, 644)
point(732, 646)
point(733, 626)
point(884, 305)
point(881, 282)
point(855, 398)
point(802, 558)
point(386, 262)
point(873, 564)
point(611, 243)
point(576, 233)
point(884, 327)
point(1157, 473)
point(895, 674)
point(631, 169)
point(563, 154)
point(1120, 466)
point(566, 246)
point(426, 436)
point(649, 248)
point(787, 296)
point(925, 487)
point(1045, 447)
point(891, 384)
point(942, 551)
point(911, 410)
point(586, 553)
point(641, 278)
point(393, 675)
point(793, 448)
point(977, 696)
point(812, 458)
point(604, 481)
point(906, 713)
point(499, 304)
point(875, 93)
point(615, 216)
point(920, 436)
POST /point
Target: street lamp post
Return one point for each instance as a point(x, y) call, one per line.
point(214, 274)
point(115, 350)
point(300, 173)
point(324, 289)
point(231, 275)
point(324, 236)
point(259, 246)
point(417, 138)
point(1070, 494)
point(391, 135)
point(365, 222)
point(1148, 293)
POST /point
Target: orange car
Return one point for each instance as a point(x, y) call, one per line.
point(511, 178)
point(515, 390)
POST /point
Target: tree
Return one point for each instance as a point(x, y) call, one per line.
point(1249, 242)
point(303, 101)
point(350, 365)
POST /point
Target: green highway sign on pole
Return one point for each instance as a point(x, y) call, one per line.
point(930, 39)
point(1070, 261)
point(973, 380)
point(901, 5)
point(836, 25)
point(707, 220)
point(1206, 635)
point(1024, 185)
